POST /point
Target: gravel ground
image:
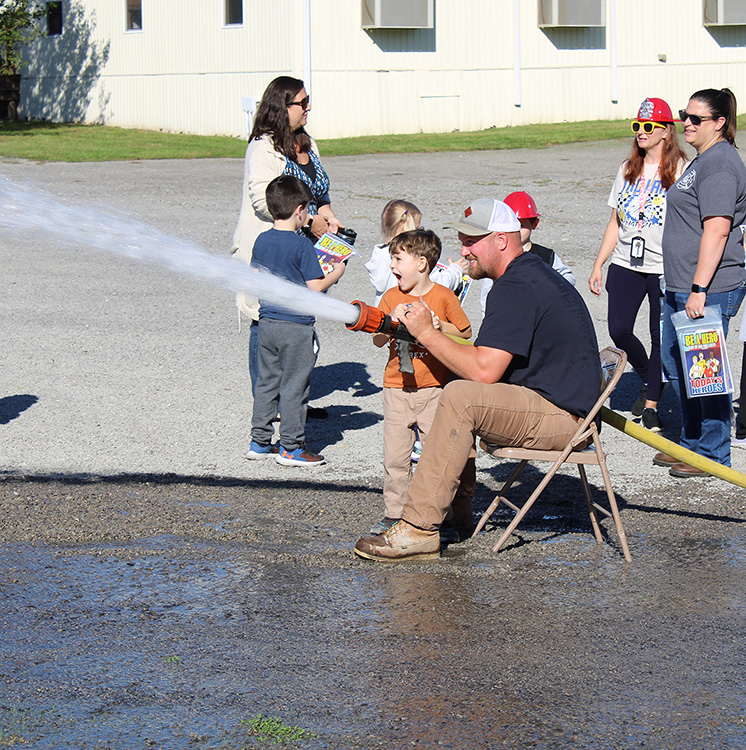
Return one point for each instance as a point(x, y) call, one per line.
point(113, 367)
point(158, 588)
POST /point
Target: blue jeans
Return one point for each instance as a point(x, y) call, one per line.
point(705, 420)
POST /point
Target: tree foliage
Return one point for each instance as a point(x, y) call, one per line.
point(18, 26)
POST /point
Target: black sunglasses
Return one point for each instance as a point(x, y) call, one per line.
point(694, 119)
point(304, 102)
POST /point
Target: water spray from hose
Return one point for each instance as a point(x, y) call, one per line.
point(28, 213)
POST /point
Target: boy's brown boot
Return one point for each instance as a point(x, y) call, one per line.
point(401, 542)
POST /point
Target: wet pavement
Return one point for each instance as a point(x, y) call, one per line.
point(119, 638)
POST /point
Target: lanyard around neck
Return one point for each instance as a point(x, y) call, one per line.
point(644, 195)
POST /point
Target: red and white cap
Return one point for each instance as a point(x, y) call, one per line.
point(656, 110)
point(523, 205)
point(485, 216)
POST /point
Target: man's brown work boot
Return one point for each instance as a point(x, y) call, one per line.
point(401, 542)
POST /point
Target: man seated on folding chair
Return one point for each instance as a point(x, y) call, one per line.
point(532, 375)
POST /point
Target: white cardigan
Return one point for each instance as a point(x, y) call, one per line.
point(261, 165)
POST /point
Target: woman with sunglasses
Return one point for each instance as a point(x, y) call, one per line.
point(632, 241)
point(703, 257)
point(279, 145)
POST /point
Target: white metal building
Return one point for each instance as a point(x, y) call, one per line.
point(379, 66)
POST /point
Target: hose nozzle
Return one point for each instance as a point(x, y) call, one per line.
point(372, 320)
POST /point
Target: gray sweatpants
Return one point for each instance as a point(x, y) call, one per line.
point(287, 356)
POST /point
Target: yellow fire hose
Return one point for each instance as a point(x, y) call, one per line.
point(673, 449)
point(654, 440)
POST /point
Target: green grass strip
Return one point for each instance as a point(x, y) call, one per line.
point(46, 141)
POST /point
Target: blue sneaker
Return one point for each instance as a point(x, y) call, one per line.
point(258, 451)
point(298, 457)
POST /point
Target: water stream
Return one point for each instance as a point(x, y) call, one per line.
point(26, 212)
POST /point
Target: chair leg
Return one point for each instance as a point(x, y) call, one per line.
point(589, 501)
point(493, 505)
point(527, 505)
point(612, 503)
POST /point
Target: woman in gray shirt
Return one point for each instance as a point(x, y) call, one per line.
point(703, 261)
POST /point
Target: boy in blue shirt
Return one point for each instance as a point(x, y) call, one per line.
point(287, 351)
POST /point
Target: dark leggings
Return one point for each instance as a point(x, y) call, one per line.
point(627, 289)
point(741, 423)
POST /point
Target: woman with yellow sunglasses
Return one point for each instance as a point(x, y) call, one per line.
point(633, 243)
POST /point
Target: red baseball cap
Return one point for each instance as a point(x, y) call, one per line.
point(656, 110)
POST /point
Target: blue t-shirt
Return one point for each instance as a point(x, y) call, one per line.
point(289, 256)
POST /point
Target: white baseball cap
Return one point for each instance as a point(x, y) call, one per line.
point(486, 215)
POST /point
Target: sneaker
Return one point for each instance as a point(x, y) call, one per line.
point(299, 457)
point(416, 452)
point(651, 421)
point(401, 542)
point(258, 451)
point(738, 442)
point(383, 525)
point(639, 406)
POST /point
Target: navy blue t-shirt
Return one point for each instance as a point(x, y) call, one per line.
point(534, 314)
point(289, 256)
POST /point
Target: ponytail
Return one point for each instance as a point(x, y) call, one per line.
point(721, 103)
point(399, 216)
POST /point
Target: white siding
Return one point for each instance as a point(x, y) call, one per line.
point(185, 71)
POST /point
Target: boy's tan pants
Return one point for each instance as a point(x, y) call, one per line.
point(403, 409)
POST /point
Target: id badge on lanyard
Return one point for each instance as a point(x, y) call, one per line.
point(637, 251)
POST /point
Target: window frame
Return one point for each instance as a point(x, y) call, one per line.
point(226, 13)
point(52, 15)
point(131, 29)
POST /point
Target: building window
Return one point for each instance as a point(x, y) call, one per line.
point(54, 18)
point(568, 13)
point(233, 12)
point(134, 15)
point(724, 13)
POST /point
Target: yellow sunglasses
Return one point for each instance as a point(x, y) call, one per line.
point(646, 127)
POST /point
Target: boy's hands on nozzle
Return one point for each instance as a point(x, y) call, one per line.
point(418, 318)
point(400, 311)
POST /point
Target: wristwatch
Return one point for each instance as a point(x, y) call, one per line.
point(697, 289)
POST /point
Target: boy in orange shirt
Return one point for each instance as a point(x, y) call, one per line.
point(409, 401)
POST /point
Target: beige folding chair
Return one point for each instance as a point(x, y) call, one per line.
point(612, 366)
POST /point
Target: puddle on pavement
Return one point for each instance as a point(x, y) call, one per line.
point(171, 644)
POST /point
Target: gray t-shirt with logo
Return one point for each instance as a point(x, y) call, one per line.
point(714, 184)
